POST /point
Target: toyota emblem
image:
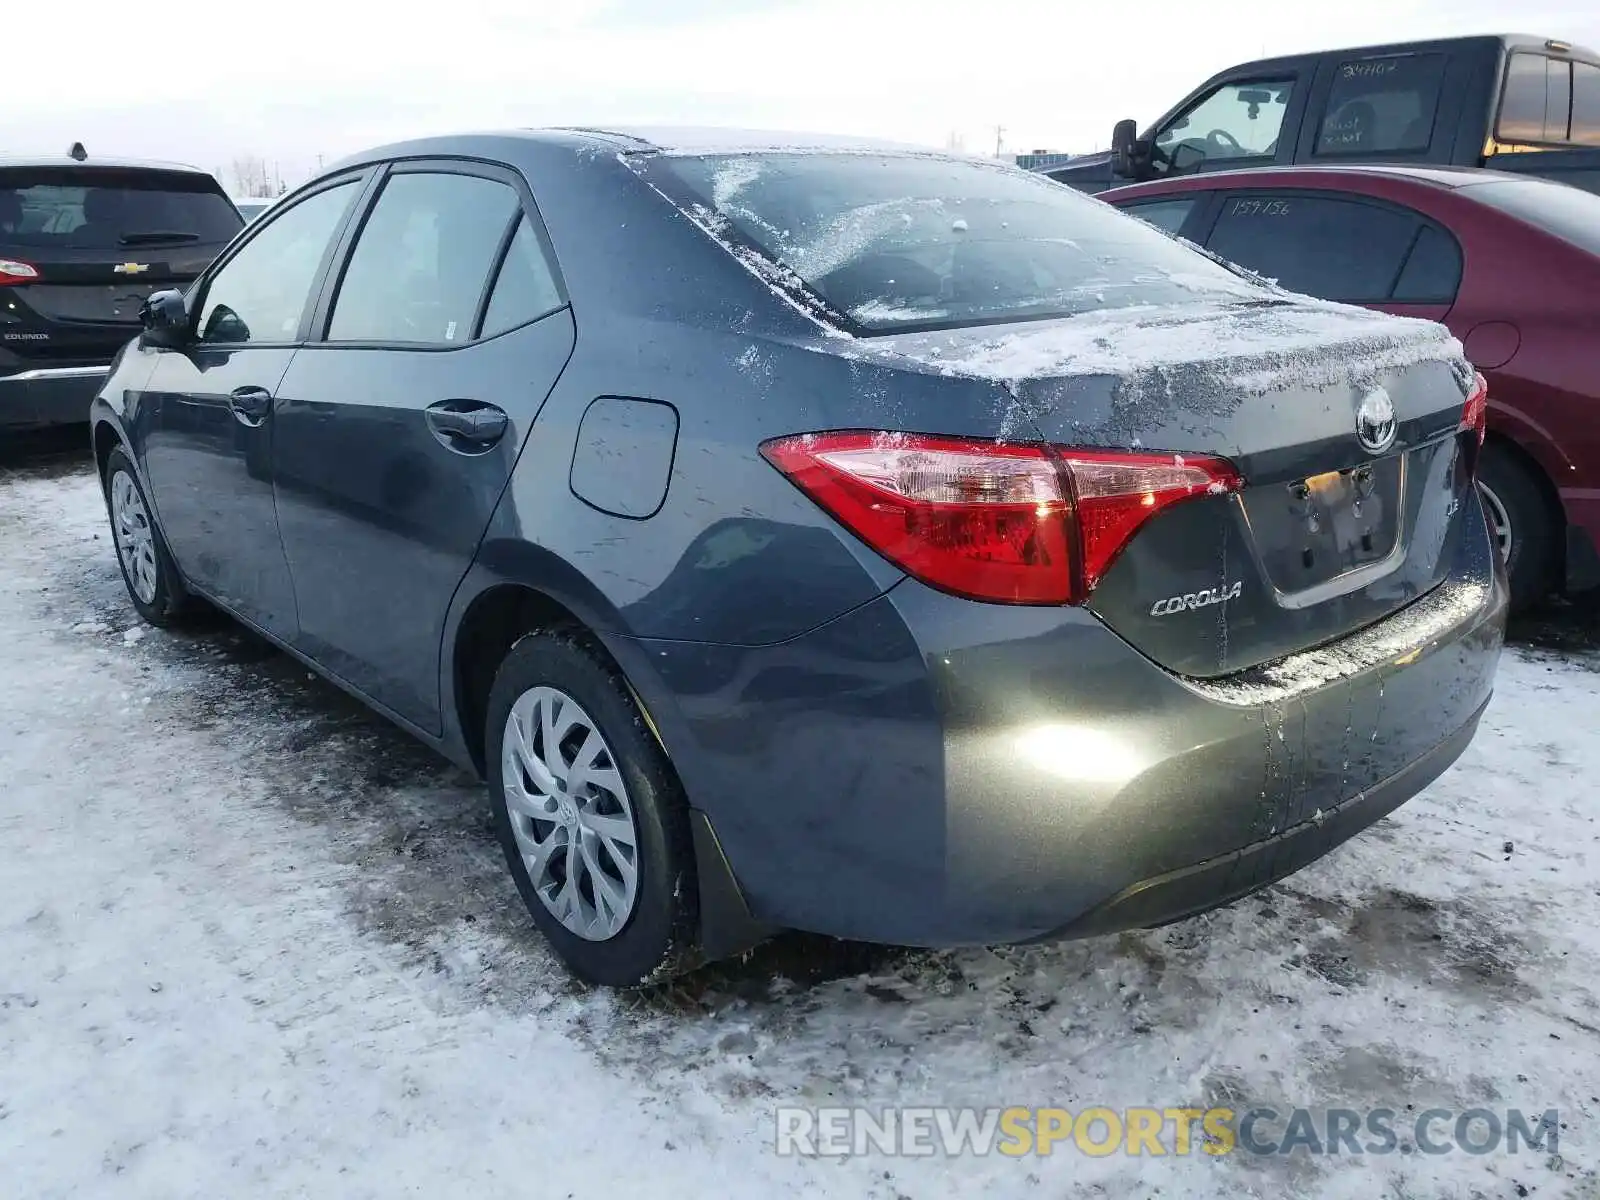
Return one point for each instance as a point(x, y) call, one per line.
point(1375, 421)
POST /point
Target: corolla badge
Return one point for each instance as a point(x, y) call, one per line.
point(1192, 600)
point(1375, 421)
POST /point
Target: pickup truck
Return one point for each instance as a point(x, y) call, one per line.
point(1515, 103)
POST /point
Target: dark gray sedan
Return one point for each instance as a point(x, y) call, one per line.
point(807, 534)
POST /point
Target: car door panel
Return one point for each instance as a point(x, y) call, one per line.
point(397, 429)
point(381, 517)
point(209, 472)
point(205, 415)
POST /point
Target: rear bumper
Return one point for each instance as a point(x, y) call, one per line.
point(46, 396)
point(1195, 889)
point(1583, 541)
point(928, 771)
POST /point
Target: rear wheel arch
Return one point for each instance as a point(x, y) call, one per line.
point(494, 624)
point(1507, 467)
point(106, 439)
point(494, 621)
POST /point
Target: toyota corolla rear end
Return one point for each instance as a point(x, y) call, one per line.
point(1195, 580)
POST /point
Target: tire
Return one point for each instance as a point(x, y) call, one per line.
point(1512, 494)
point(151, 577)
point(570, 874)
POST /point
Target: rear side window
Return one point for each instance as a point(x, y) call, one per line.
point(422, 261)
point(1335, 249)
point(1567, 212)
point(1381, 105)
point(1432, 274)
point(1585, 104)
point(112, 209)
point(1536, 104)
point(1168, 215)
point(525, 289)
point(901, 241)
point(260, 293)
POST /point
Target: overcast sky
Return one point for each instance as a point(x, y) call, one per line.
point(289, 80)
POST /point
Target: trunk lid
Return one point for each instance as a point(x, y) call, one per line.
point(89, 286)
point(1344, 424)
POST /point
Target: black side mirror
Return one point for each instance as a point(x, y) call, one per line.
point(1123, 137)
point(165, 319)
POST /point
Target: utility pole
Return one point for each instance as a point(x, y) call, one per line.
point(999, 139)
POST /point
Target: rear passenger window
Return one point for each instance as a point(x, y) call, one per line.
point(1332, 248)
point(1585, 104)
point(1167, 215)
point(1536, 103)
point(525, 289)
point(1382, 105)
point(1433, 272)
point(423, 258)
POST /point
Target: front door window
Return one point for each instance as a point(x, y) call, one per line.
point(1237, 123)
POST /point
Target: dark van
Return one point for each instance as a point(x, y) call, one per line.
point(1521, 104)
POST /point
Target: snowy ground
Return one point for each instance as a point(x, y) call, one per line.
point(253, 942)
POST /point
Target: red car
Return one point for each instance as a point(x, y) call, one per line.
point(1511, 264)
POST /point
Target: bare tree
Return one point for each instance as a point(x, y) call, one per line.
point(251, 177)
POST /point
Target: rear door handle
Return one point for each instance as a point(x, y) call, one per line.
point(250, 404)
point(464, 424)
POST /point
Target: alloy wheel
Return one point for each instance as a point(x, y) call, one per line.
point(570, 814)
point(1499, 520)
point(136, 544)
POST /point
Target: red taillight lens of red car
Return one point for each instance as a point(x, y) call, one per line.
point(14, 272)
point(1475, 412)
point(1002, 522)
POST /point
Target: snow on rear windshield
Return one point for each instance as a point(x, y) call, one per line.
point(900, 240)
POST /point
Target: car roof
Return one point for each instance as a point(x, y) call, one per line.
point(1446, 177)
point(705, 139)
point(632, 140)
point(60, 161)
point(1507, 41)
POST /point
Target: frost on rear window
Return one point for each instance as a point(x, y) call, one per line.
point(897, 240)
point(881, 312)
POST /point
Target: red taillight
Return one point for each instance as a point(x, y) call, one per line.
point(12, 271)
point(1115, 493)
point(1475, 412)
point(1474, 425)
point(1016, 524)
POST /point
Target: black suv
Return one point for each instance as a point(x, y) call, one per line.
point(82, 243)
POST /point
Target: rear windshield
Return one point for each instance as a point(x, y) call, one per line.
point(901, 241)
point(88, 209)
point(1557, 208)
